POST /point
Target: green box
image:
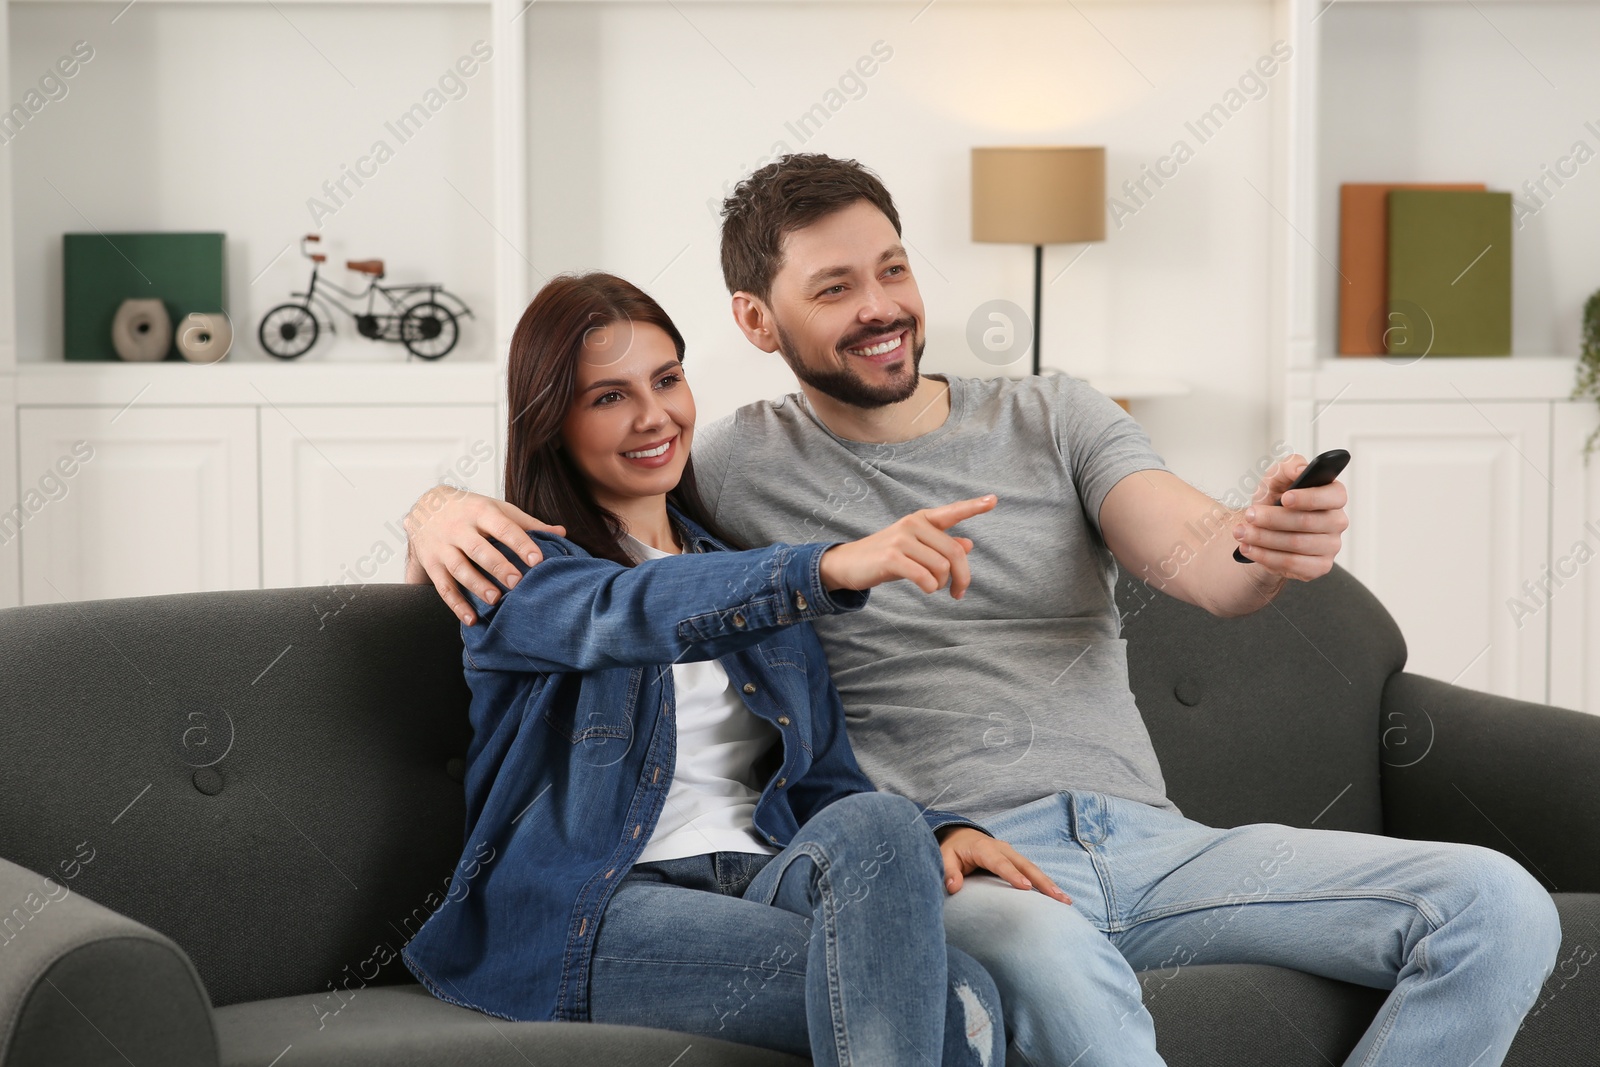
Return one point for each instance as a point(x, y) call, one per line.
point(1449, 273)
point(101, 270)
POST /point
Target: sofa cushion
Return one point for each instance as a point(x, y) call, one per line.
point(1273, 717)
point(1226, 1014)
point(1205, 1016)
point(405, 1026)
point(1245, 1013)
point(1561, 1025)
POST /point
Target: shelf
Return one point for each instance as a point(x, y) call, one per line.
point(1449, 378)
point(1126, 386)
point(177, 383)
point(1132, 387)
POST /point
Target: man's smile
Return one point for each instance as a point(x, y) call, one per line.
point(884, 348)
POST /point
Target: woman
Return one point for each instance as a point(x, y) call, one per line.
point(666, 826)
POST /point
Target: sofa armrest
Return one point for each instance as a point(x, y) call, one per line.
point(83, 985)
point(1461, 765)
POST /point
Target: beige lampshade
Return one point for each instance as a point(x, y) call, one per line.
point(1038, 195)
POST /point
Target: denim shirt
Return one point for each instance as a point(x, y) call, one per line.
point(574, 742)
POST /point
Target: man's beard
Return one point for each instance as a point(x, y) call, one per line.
point(844, 384)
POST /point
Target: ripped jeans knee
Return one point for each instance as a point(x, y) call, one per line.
point(974, 1026)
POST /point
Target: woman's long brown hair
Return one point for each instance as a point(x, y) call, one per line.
point(541, 379)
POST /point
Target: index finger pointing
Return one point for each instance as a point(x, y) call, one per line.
point(947, 515)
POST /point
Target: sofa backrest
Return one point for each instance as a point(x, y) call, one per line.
point(264, 776)
point(1273, 716)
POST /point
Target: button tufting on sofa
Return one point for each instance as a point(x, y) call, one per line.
point(208, 780)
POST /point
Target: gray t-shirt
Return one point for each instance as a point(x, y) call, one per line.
point(1020, 688)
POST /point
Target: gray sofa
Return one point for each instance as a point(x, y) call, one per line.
point(246, 801)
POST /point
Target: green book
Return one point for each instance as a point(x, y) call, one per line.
point(101, 270)
point(1449, 273)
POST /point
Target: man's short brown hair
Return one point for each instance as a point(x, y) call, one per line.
point(786, 195)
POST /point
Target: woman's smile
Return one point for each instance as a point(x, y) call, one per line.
point(657, 455)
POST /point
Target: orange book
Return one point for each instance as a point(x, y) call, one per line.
point(1364, 261)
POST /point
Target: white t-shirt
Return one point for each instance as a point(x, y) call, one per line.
point(712, 798)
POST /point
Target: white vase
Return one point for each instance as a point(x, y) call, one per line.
point(205, 336)
point(141, 331)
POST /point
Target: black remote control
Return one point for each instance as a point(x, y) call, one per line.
point(1320, 471)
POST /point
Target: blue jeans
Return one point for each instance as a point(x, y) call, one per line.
point(1462, 935)
point(832, 949)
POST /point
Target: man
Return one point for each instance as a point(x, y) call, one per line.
point(1012, 704)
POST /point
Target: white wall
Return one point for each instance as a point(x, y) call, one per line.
point(8, 353)
point(641, 113)
point(230, 117)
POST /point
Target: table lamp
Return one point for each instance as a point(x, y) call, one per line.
point(1038, 196)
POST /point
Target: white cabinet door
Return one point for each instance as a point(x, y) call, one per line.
point(1449, 516)
point(137, 501)
point(1574, 578)
point(337, 481)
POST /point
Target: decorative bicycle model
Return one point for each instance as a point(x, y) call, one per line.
point(424, 318)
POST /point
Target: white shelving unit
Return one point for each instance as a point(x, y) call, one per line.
point(254, 471)
point(1467, 481)
point(264, 384)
